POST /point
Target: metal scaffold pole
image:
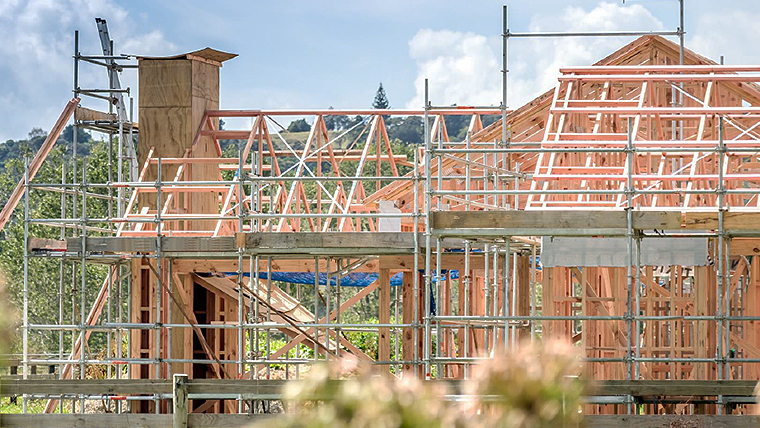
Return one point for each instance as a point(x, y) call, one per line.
point(428, 237)
point(504, 80)
point(25, 321)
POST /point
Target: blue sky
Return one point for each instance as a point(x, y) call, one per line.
point(334, 53)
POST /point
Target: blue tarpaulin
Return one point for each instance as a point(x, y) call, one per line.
point(353, 279)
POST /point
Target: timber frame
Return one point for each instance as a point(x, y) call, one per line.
point(448, 236)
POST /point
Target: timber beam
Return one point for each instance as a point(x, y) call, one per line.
point(326, 243)
point(586, 223)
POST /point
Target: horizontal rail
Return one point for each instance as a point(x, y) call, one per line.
point(273, 387)
point(735, 111)
point(660, 68)
point(509, 34)
point(463, 110)
point(661, 77)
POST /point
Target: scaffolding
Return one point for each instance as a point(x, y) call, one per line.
point(655, 143)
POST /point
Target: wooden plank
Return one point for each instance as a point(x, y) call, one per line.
point(744, 247)
point(676, 388)
point(131, 244)
point(666, 421)
point(89, 386)
point(206, 420)
point(127, 420)
point(89, 115)
point(355, 243)
point(351, 242)
point(731, 220)
point(553, 220)
point(638, 388)
point(179, 401)
point(43, 244)
point(37, 161)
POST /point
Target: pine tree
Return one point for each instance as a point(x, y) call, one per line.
point(381, 100)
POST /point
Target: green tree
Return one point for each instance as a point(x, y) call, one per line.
point(44, 272)
point(299, 125)
point(336, 122)
point(381, 100)
point(407, 129)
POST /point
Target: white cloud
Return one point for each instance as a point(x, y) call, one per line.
point(731, 33)
point(38, 42)
point(464, 68)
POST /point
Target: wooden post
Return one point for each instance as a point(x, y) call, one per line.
point(408, 301)
point(523, 292)
point(407, 295)
point(384, 315)
point(547, 302)
point(179, 390)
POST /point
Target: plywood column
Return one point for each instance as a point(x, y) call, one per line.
point(175, 93)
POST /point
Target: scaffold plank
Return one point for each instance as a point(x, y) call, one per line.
point(731, 220)
point(307, 242)
point(566, 219)
point(133, 244)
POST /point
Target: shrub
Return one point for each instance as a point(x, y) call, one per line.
point(533, 387)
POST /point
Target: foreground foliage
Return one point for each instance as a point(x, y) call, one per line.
point(534, 387)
